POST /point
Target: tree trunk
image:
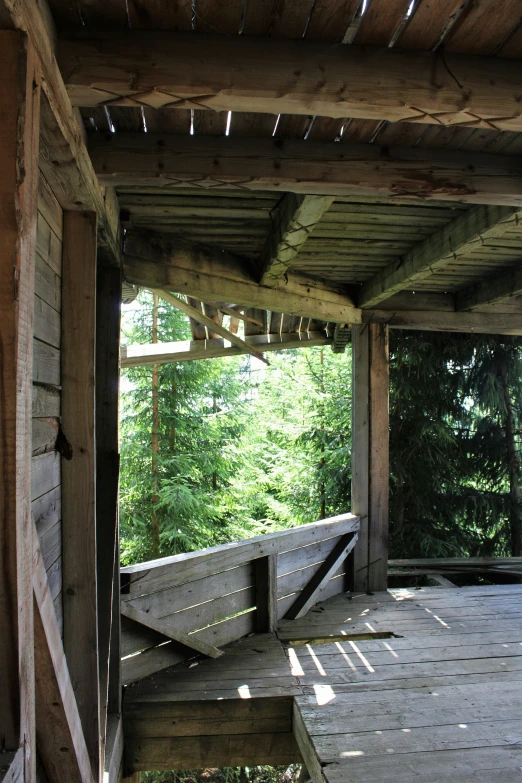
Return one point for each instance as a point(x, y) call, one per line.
point(155, 444)
point(515, 505)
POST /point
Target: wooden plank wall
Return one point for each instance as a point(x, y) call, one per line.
point(45, 468)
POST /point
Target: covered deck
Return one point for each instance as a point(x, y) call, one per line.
point(407, 684)
point(313, 169)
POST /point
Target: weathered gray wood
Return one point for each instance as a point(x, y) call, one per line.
point(441, 580)
point(113, 749)
point(215, 751)
point(46, 364)
point(15, 771)
point(361, 449)
point(168, 630)
point(472, 322)
point(458, 561)
point(306, 747)
point(194, 593)
point(157, 261)
point(311, 593)
point(205, 615)
point(19, 99)
point(78, 473)
point(211, 325)
point(188, 350)
point(453, 241)
point(61, 741)
point(63, 154)
point(492, 291)
point(266, 593)
point(46, 401)
point(154, 660)
point(370, 454)
point(108, 301)
point(306, 167)
point(292, 223)
point(296, 77)
point(179, 569)
point(44, 434)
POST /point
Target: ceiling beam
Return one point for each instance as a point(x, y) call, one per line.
point(437, 321)
point(211, 325)
point(209, 274)
point(188, 350)
point(166, 70)
point(493, 291)
point(456, 240)
point(293, 220)
point(307, 167)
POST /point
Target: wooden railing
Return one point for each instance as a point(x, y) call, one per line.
point(181, 606)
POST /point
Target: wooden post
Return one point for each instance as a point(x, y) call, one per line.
point(78, 474)
point(19, 132)
point(108, 300)
point(266, 593)
point(370, 454)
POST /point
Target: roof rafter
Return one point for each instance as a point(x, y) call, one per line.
point(307, 167)
point(455, 240)
point(211, 325)
point(294, 220)
point(250, 74)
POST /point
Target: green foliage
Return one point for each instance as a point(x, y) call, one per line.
point(259, 774)
point(454, 454)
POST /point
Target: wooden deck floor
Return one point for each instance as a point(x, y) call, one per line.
point(440, 700)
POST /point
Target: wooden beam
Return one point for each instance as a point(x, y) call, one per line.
point(311, 592)
point(78, 473)
point(19, 123)
point(166, 629)
point(165, 69)
point(159, 261)
point(370, 454)
point(64, 157)
point(61, 742)
point(211, 325)
point(189, 350)
point(438, 321)
point(455, 240)
point(265, 569)
point(15, 771)
point(306, 167)
point(293, 221)
point(492, 291)
point(108, 301)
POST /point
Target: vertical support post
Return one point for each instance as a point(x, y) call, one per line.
point(370, 454)
point(78, 473)
point(19, 134)
point(266, 593)
point(108, 303)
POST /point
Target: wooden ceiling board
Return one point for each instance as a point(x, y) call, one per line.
point(484, 27)
point(428, 24)
point(160, 14)
point(331, 19)
point(381, 20)
point(218, 16)
point(277, 18)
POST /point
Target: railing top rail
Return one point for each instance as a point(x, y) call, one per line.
point(177, 569)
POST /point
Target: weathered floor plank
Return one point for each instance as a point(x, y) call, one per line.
point(440, 699)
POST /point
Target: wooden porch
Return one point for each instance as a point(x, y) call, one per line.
point(403, 685)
